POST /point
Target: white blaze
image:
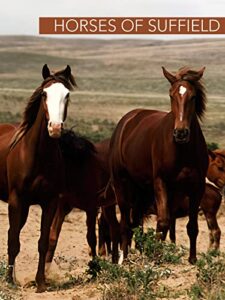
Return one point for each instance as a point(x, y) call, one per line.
point(56, 100)
point(182, 90)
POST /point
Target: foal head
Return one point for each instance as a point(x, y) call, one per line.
point(187, 99)
point(56, 91)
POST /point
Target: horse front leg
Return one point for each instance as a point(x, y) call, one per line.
point(55, 230)
point(163, 216)
point(214, 230)
point(48, 212)
point(110, 215)
point(192, 227)
point(17, 214)
point(91, 234)
point(173, 229)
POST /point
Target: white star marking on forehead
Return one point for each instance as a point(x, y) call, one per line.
point(182, 90)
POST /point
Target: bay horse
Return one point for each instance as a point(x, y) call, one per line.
point(86, 175)
point(33, 170)
point(164, 153)
point(210, 202)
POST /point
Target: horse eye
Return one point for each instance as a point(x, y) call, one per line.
point(44, 94)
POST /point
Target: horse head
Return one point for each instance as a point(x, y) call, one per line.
point(56, 92)
point(187, 99)
point(216, 168)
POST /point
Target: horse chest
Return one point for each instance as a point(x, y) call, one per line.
point(187, 174)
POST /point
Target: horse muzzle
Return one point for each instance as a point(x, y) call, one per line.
point(55, 129)
point(181, 136)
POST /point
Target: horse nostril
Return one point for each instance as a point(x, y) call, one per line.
point(181, 134)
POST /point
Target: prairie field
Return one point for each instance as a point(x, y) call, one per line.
point(113, 77)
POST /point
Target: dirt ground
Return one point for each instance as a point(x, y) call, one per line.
point(72, 256)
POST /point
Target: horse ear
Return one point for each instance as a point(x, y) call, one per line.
point(211, 154)
point(200, 73)
point(171, 78)
point(45, 71)
point(67, 72)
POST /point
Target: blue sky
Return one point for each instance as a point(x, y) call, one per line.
point(21, 17)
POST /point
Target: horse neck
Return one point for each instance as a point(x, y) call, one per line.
point(37, 138)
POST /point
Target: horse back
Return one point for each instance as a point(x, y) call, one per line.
point(6, 133)
point(131, 143)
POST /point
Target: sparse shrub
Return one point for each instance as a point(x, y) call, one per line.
point(138, 277)
point(212, 146)
point(157, 251)
point(3, 269)
point(210, 283)
point(68, 283)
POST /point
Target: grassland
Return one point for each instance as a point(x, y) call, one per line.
point(113, 76)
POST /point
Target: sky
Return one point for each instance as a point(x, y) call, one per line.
point(22, 16)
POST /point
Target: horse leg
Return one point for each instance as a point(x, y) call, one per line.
point(91, 234)
point(48, 213)
point(103, 235)
point(163, 220)
point(123, 196)
point(192, 227)
point(214, 230)
point(110, 215)
point(55, 230)
point(17, 214)
point(173, 230)
point(137, 222)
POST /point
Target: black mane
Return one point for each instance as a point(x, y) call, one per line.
point(32, 107)
point(75, 147)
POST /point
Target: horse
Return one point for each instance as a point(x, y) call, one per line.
point(6, 133)
point(86, 175)
point(162, 154)
point(210, 202)
point(32, 167)
point(209, 205)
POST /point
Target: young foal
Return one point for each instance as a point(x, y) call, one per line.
point(86, 169)
point(162, 152)
point(34, 165)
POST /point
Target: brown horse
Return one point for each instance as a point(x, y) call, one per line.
point(210, 202)
point(86, 169)
point(33, 170)
point(6, 133)
point(162, 154)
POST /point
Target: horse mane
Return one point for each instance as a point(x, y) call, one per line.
point(185, 73)
point(33, 104)
point(220, 152)
point(74, 147)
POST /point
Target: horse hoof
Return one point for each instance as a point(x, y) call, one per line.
point(41, 288)
point(192, 260)
point(9, 280)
